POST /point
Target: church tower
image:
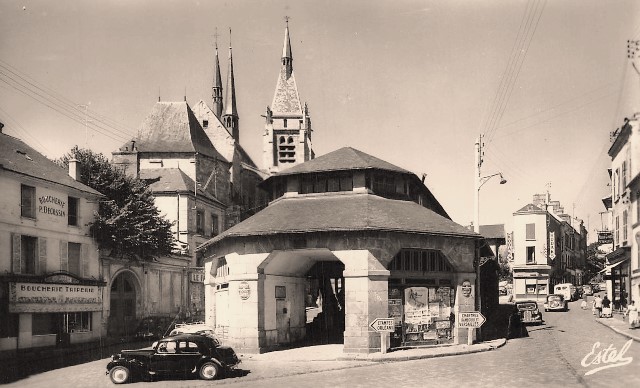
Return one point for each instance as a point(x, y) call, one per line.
point(216, 91)
point(230, 117)
point(287, 137)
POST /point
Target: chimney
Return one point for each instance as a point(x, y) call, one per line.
point(74, 169)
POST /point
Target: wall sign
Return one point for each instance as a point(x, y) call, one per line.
point(244, 290)
point(281, 292)
point(197, 277)
point(52, 205)
point(50, 297)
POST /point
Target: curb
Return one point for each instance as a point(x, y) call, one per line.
point(484, 348)
point(633, 337)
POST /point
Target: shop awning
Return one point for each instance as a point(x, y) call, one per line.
point(609, 267)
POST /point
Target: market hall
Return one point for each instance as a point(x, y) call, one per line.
point(346, 239)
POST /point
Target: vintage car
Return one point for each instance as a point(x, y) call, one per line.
point(587, 290)
point(183, 354)
point(528, 310)
point(555, 302)
point(192, 328)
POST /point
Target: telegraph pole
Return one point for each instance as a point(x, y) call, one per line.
point(478, 164)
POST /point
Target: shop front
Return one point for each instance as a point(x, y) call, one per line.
point(58, 310)
point(531, 283)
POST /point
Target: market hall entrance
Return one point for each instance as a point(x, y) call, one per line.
point(325, 303)
point(123, 305)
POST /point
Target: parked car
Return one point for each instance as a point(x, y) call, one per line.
point(154, 327)
point(587, 290)
point(192, 328)
point(555, 302)
point(184, 354)
point(528, 310)
point(567, 290)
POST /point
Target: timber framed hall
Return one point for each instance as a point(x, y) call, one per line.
point(347, 238)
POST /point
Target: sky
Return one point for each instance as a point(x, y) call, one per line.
point(411, 82)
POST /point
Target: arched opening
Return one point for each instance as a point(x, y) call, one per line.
point(123, 305)
point(325, 303)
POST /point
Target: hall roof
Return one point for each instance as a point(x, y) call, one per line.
point(343, 213)
point(18, 157)
point(492, 231)
point(172, 127)
point(345, 158)
point(172, 181)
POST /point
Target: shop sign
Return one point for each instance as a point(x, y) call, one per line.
point(50, 297)
point(510, 246)
point(525, 274)
point(244, 290)
point(605, 237)
point(52, 205)
point(552, 245)
point(197, 277)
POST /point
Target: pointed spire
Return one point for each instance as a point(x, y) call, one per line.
point(217, 84)
point(230, 117)
point(287, 56)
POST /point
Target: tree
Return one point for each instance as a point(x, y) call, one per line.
point(595, 261)
point(504, 272)
point(128, 222)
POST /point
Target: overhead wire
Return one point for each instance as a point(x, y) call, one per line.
point(19, 128)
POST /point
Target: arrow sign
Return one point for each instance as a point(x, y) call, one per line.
point(383, 324)
point(471, 319)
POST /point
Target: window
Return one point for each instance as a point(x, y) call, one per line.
point(624, 226)
point(78, 322)
point(28, 201)
point(531, 232)
point(73, 211)
point(531, 255)
point(205, 123)
point(43, 324)
point(199, 221)
point(75, 261)
point(623, 177)
point(215, 229)
point(617, 231)
point(29, 251)
point(187, 347)
point(284, 123)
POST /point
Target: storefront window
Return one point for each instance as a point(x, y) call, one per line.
point(78, 322)
point(43, 324)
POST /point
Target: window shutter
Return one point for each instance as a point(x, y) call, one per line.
point(64, 255)
point(42, 255)
point(84, 253)
point(16, 254)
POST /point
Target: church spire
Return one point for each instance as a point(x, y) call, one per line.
point(230, 117)
point(217, 84)
point(287, 57)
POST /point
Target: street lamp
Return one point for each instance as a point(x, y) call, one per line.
point(480, 181)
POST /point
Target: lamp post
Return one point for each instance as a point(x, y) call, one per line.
point(479, 182)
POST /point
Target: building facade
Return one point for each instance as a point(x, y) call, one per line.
point(51, 284)
point(348, 238)
point(549, 248)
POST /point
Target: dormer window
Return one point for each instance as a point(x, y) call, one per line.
point(205, 123)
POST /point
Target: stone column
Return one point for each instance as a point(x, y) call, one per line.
point(465, 302)
point(366, 298)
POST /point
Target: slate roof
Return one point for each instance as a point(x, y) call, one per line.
point(18, 157)
point(350, 212)
point(172, 127)
point(171, 180)
point(492, 231)
point(286, 100)
point(530, 208)
point(346, 158)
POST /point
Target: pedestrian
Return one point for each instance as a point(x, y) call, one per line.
point(583, 305)
point(632, 311)
point(606, 303)
point(597, 303)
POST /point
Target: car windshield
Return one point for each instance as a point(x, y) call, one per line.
point(527, 306)
point(554, 297)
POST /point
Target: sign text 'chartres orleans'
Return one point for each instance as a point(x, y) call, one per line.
point(383, 324)
point(471, 319)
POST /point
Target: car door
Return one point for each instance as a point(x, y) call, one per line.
point(190, 355)
point(166, 359)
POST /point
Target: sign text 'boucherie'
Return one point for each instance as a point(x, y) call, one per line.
point(48, 297)
point(471, 319)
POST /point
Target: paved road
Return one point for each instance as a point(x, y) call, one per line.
point(551, 356)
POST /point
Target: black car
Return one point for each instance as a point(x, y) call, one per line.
point(184, 354)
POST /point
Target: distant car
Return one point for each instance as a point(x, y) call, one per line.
point(587, 290)
point(192, 328)
point(555, 302)
point(184, 354)
point(595, 287)
point(528, 310)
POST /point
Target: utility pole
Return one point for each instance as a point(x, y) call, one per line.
point(86, 122)
point(478, 164)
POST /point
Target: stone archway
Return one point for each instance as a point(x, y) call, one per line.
point(123, 300)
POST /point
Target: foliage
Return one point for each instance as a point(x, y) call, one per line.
point(504, 271)
point(128, 222)
point(594, 262)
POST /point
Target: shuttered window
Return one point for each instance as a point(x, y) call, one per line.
point(531, 232)
point(27, 201)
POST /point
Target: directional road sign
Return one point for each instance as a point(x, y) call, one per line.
point(471, 319)
point(383, 324)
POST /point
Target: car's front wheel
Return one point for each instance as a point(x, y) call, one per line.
point(209, 371)
point(119, 374)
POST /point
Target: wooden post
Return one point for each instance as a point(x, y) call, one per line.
point(383, 341)
point(470, 336)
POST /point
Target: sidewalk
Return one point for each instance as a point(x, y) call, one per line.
point(334, 353)
point(620, 325)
